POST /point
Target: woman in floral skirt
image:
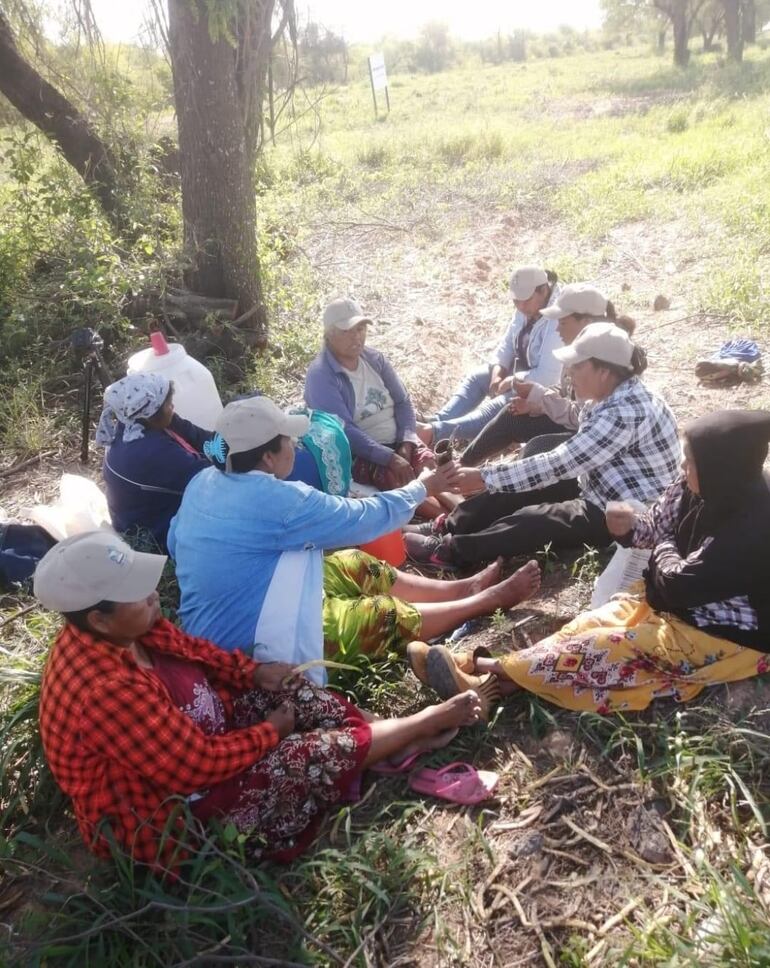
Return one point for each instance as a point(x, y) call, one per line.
point(704, 617)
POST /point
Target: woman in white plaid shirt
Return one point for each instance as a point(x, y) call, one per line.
point(704, 618)
point(626, 448)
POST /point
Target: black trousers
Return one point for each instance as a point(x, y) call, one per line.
point(504, 430)
point(541, 445)
point(509, 524)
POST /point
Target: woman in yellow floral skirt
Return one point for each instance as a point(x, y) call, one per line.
point(704, 617)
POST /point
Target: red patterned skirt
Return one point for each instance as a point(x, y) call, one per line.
point(280, 800)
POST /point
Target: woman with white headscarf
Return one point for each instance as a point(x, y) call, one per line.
point(151, 453)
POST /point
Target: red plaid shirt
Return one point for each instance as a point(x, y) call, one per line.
point(122, 750)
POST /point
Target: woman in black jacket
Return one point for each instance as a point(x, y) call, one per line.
point(705, 614)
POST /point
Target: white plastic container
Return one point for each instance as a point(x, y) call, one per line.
point(196, 397)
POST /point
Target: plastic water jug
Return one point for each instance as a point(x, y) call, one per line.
point(196, 397)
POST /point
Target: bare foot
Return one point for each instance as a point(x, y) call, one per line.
point(486, 578)
point(429, 743)
point(522, 584)
point(461, 710)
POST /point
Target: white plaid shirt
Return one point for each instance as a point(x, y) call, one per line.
point(655, 529)
point(626, 448)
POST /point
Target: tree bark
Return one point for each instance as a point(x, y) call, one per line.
point(681, 25)
point(733, 31)
point(217, 150)
point(749, 21)
point(58, 119)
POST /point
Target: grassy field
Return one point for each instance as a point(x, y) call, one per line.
point(639, 842)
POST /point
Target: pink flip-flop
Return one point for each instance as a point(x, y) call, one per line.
point(457, 782)
point(389, 768)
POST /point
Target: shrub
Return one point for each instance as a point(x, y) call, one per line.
point(677, 122)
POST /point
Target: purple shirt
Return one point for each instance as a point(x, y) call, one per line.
point(328, 387)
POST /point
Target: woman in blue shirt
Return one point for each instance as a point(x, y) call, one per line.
point(249, 546)
point(151, 454)
point(525, 352)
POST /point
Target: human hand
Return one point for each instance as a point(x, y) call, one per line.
point(439, 480)
point(519, 405)
point(276, 676)
point(505, 385)
point(406, 450)
point(523, 388)
point(469, 481)
point(620, 517)
point(282, 718)
point(401, 470)
point(494, 386)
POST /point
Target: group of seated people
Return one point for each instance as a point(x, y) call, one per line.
point(230, 713)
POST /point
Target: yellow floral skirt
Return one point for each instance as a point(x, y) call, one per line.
point(359, 613)
point(623, 655)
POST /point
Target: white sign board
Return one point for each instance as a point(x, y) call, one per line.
point(377, 71)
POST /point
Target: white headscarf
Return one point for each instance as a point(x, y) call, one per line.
point(139, 395)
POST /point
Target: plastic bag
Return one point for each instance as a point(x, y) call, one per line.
point(81, 507)
point(626, 567)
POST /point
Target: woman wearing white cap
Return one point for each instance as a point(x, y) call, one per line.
point(360, 386)
point(537, 410)
point(142, 723)
point(249, 546)
point(526, 349)
point(626, 448)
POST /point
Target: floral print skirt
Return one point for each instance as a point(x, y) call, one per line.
point(280, 800)
point(623, 655)
point(359, 612)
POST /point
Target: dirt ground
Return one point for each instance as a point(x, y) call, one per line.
point(576, 843)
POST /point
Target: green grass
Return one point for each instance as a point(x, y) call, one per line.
point(575, 147)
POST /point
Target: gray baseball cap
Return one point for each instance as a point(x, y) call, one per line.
point(525, 280)
point(246, 424)
point(577, 298)
point(94, 567)
point(598, 341)
point(343, 313)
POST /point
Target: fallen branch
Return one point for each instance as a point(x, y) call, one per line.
point(545, 947)
point(502, 889)
point(628, 854)
point(22, 611)
point(622, 914)
point(25, 463)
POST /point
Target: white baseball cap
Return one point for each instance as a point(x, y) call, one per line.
point(525, 280)
point(94, 567)
point(577, 298)
point(343, 313)
point(247, 424)
point(598, 341)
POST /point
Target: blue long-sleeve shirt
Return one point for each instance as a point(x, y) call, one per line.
point(249, 557)
point(328, 387)
point(541, 365)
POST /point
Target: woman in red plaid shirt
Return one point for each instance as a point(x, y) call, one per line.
point(138, 718)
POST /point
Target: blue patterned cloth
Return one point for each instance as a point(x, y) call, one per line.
point(745, 350)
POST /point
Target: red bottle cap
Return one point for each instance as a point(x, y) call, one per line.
point(158, 343)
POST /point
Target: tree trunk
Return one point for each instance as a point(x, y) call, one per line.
point(733, 31)
point(749, 21)
point(681, 33)
point(58, 119)
point(217, 159)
